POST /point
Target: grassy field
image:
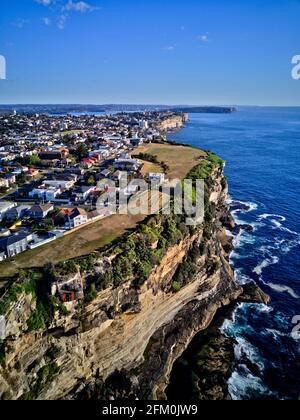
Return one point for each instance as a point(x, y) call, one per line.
point(150, 167)
point(71, 132)
point(81, 242)
point(180, 159)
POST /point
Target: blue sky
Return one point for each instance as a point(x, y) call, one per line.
point(150, 51)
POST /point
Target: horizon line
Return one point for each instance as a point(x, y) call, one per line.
point(142, 104)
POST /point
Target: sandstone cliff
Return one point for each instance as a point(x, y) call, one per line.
point(126, 337)
point(173, 122)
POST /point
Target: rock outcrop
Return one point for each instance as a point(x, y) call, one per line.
point(173, 122)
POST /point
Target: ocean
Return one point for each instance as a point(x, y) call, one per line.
point(262, 149)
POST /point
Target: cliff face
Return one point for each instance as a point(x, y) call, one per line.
point(173, 122)
point(127, 338)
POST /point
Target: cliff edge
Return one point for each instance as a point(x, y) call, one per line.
point(135, 307)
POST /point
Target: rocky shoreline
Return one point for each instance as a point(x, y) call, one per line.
point(208, 363)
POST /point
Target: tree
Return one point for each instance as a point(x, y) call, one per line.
point(176, 286)
point(82, 151)
point(91, 180)
point(48, 224)
point(143, 271)
point(34, 160)
point(21, 179)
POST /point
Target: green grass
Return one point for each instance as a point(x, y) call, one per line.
point(205, 169)
point(71, 132)
point(79, 243)
point(179, 159)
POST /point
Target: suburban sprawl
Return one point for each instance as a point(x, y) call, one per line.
point(54, 169)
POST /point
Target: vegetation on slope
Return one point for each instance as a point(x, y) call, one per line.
point(136, 255)
point(45, 376)
point(36, 283)
point(140, 252)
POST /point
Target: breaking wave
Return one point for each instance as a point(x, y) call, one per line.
point(244, 349)
point(283, 289)
point(264, 264)
point(244, 385)
point(242, 206)
point(273, 216)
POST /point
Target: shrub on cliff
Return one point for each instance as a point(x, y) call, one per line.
point(91, 293)
point(44, 377)
point(206, 167)
point(185, 272)
point(176, 286)
point(143, 271)
point(151, 233)
point(42, 317)
point(122, 271)
point(171, 232)
point(37, 320)
point(224, 182)
point(25, 283)
point(103, 281)
point(216, 160)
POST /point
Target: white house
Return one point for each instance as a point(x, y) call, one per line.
point(126, 164)
point(76, 218)
point(63, 126)
point(39, 212)
point(82, 193)
point(59, 183)
point(103, 151)
point(43, 193)
point(143, 124)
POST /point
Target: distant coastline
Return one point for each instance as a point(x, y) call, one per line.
point(110, 108)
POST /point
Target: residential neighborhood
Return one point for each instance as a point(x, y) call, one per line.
point(54, 169)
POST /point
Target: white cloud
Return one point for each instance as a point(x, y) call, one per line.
point(61, 22)
point(170, 48)
point(62, 9)
point(79, 6)
point(45, 2)
point(46, 21)
point(203, 38)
